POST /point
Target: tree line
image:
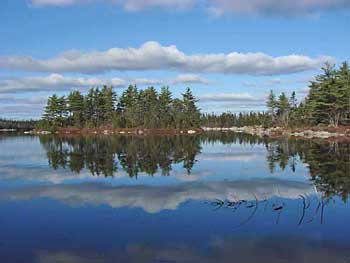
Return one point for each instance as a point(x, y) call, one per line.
point(17, 124)
point(327, 102)
point(133, 109)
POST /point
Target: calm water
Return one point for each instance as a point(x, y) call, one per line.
point(218, 197)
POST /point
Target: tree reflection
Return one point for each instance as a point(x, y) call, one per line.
point(103, 155)
point(328, 162)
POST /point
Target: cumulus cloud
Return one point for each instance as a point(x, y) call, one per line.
point(154, 199)
point(23, 101)
point(218, 7)
point(189, 79)
point(54, 82)
point(146, 81)
point(154, 56)
point(58, 82)
point(228, 97)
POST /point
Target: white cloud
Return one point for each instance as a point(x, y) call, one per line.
point(145, 81)
point(278, 81)
point(227, 97)
point(218, 7)
point(129, 5)
point(54, 82)
point(267, 83)
point(223, 157)
point(276, 7)
point(23, 101)
point(154, 56)
point(189, 79)
point(58, 82)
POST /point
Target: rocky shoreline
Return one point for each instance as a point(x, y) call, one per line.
point(110, 131)
point(308, 133)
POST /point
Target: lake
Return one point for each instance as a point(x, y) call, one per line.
point(214, 197)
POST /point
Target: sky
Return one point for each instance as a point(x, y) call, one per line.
point(231, 53)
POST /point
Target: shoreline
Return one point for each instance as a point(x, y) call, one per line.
point(342, 132)
point(119, 131)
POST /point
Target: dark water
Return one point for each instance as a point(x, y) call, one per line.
point(218, 197)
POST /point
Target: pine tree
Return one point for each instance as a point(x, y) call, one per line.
point(293, 101)
point(192, 113)
point(76, 108)
point(165, 102)
point(343, 84)
point(178, 114)
point(51, 110)
point(283, 109)
point(90, 109)
point(327, 99)
point(108, 99)
point(272, 105)
point(150, 108)
point(129, 105)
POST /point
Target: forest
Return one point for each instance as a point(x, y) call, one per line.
point(327, 103)
point(133, 109)
point(17, 124)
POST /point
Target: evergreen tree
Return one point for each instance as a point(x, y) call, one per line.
point(272, 105)
point(76, 108)
point(89, 111)
point(283, 109)
point(327, 99)
point(165, 104)
point(108, 100)
point(150, 108)
point(129, 105)
point(51, 110)
point(293, 101)
point(191, 112)
point(178, 113)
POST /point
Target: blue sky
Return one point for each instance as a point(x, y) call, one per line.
point(231, 53)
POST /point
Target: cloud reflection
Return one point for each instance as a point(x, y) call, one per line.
point(154, 199)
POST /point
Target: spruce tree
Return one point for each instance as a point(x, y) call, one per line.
point(165, 102)
point(191, 113)
point(272, 105)
point(76, 108)
point(283, 109)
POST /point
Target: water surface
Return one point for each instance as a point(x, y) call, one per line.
point(217, 197)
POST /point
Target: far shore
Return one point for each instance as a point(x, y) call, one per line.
point(120, 131)
point(318, 132)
